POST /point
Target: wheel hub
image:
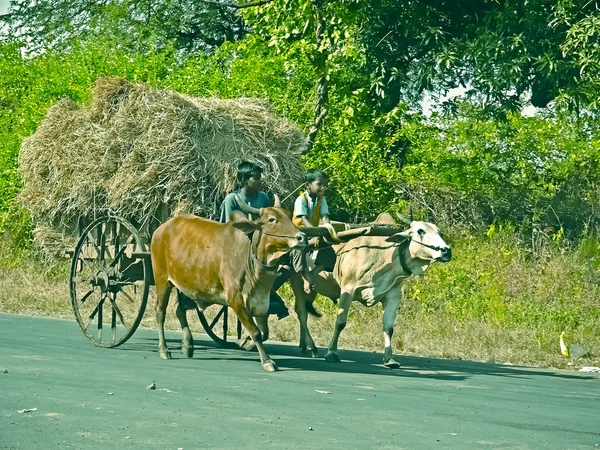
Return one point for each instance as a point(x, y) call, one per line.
point(100, 280)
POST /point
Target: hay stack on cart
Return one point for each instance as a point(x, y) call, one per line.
point(145, 154)
point(107, 174)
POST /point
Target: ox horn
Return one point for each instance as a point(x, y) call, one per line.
point(245, 207)
point(403, 219)
point(276, 201)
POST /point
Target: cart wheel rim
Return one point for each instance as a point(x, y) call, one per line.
point(223, 327)
point(108, 286)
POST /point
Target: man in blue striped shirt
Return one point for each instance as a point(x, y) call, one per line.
point(249, 183)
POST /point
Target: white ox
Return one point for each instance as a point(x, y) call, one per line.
point(371, 270)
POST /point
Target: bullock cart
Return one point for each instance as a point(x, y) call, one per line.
point(106, 174)
point(111, 276)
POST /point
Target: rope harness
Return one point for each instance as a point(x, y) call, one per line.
point(401, 248)
point(253, 253)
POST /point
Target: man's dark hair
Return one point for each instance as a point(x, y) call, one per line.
point(245, 171)
point(314, 174)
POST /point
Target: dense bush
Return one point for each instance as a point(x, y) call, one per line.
point(532, 172)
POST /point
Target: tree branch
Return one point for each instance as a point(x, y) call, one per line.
point(319, 61)
point(235, 5)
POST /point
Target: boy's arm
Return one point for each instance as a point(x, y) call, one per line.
point(325, 211)
point(229, 205)
point(301, 210)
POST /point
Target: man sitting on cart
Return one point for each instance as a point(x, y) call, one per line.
point(249, 184)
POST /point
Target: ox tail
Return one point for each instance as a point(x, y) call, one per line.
point(310, 308)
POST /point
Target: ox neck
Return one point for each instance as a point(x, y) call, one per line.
point(410, 264)
point(253, 255)
point(402, 251)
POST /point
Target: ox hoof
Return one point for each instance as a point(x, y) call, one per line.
point(332, 357)
point(312, 352)
point(270, 366)
point(247, 344)
point(164, 354)
point(391, 364)
point(188, 352)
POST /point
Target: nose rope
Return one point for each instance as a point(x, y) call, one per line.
point(432, 247)
point(279, 235)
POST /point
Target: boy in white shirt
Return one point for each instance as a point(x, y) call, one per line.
point(310, 209)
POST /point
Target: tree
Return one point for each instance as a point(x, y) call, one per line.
point(504, 53)
point(190, 26)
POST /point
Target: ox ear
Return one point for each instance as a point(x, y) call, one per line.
point(236, 215)
point(245, 225)
point(399, 238)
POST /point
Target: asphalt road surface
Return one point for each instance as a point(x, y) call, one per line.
point(88, 397)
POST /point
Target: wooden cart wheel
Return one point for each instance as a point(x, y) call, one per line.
point(109, 284)
point(223, 327)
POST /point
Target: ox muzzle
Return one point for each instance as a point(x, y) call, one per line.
point(446, 254)
point(299, 240)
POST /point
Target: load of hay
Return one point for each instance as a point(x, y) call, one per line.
point(136, 148)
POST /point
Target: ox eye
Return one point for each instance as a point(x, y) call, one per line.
point(421, 232)
point(272, 219)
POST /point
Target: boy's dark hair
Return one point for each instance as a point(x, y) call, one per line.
point(245, 171)
point(314, 174)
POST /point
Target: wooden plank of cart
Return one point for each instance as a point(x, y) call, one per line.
point(111, 275)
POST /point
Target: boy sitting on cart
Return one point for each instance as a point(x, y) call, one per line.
point(310, 209)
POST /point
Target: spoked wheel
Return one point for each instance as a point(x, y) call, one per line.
point(109, 283)
point(221, 324)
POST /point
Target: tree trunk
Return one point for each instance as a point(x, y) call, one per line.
point(319, 62)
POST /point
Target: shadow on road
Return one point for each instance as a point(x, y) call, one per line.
point(289, 357)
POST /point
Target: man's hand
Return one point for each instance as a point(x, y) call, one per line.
point(306, 222)
point(314, 242)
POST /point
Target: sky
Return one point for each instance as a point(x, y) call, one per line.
point(4, 6)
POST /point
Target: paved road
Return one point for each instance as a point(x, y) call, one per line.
point(87, 397)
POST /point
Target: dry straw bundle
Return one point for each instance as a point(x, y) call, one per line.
point(136, 148)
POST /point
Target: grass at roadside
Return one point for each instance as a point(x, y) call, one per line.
point(494, 302)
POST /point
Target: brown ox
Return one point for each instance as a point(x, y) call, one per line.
point(371, 270)
point(212, 263)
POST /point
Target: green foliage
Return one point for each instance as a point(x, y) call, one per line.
point(503, 53)
point(140, 25)
point(534, 172)
point(529, 171)
point(494, 280)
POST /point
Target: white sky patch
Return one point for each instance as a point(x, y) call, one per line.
point(4, 6)
point(529, 111)
point(4, 10)
point(430, 104)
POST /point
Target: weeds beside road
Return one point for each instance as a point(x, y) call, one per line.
point(494, 302)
